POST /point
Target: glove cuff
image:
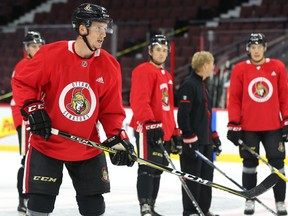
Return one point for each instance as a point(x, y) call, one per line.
point(31, 106)
point(284, 122)
point(232, 126)
point(150, 125)
point(190, 140)
point(215, 135)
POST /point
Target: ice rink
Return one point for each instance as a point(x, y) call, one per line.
point(122, 200)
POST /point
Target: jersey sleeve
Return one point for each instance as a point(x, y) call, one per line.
point(235, 95)
point(141, 94)
point(283, 91)
point(111, 111)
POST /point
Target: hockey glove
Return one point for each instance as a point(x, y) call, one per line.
point(285, 130)
point(190, 145)
point(39, 121)
point(176, 142)
point(216, 143)
point(154, 132)
point(125, 154)
point(234, 132)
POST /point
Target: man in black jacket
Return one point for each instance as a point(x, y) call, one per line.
point(194, 119)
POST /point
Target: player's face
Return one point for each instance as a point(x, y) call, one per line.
point(97, 33)
point(159, 54)
point(257, 52)
point(33, 48)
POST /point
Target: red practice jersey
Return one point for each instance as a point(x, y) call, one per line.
point(152, 98)
point(17, 117)
point(258, 97)
point(77, 94)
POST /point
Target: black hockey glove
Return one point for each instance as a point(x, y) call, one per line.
point(125, 154)
point(190, 145)
point(285, 130)
point(216, 143)
point(176, 142)
point(154, 132)
point(39, 121)
point(234, 132)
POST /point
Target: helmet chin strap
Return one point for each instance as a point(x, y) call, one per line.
point(86, 41)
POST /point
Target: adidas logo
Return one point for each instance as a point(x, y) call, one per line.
point(100, 80)
point(273, 73)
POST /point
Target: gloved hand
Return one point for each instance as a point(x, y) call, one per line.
point(216, 143)
point(176, 142)
point(285, 130)
point(125, 154)
point(234, 132)
point(190, 145)
point(39, 121)
point(154, 132)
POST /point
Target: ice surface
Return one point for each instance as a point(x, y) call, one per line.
point(122, 200)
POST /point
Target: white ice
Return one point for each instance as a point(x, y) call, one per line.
point(122, 200)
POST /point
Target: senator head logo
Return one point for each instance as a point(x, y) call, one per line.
point(77, 101)
point(260, 89)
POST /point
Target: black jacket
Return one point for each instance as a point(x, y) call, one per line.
point(194, 110)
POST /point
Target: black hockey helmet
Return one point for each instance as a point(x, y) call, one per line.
point(32, 37)
point(157, 40)
point(86, 13)
point(256, 38)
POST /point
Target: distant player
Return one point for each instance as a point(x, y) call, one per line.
point(258, 112)
point(152, 103)
point(32, 43)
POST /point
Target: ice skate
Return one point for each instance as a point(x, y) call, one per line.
point(22, 207)
point(281, 208)
point(211, 214)
point(249, 207)
point(145, 210)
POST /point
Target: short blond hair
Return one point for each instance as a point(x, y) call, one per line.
point(200, 58)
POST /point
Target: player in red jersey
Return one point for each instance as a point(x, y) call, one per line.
point(258, 112)
point(81, 84)
point(153, 120)
point(32, 43)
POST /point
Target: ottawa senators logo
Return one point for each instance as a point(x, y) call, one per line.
point(77, 101)
point(260, 89)
point(281, 147)
point(165, 97)
point(79, 104)
point(105, 175)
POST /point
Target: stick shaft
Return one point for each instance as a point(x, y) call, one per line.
point(210, 163)
point(273, 169)
point(269, 182)
point(184, 185)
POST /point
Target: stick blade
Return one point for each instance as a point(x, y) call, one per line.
point(264, 186)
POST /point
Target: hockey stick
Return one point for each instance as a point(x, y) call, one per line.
point(273, 169)
point(265, 185)
point(210, 163)
point(184, 185)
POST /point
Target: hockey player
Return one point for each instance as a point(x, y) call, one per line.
point(81, 84)
point(32, 43)
point(153, 120)
point(194, 119)
point(258, 112)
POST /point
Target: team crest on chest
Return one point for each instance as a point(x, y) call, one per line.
point(260, 89)
point(77, 101)
point(165, 97)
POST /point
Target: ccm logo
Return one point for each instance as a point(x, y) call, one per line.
point(153, 126)
point(35, 107)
